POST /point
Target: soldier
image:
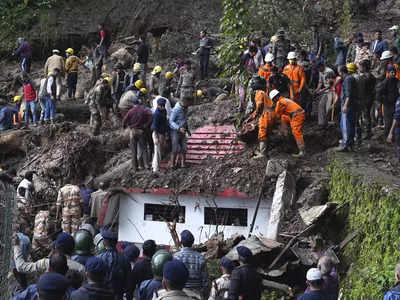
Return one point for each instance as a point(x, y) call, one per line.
point(166, 86)
point(118, 267)
point(83, 246)
point(41, 240)
point(69, 200)
point(186, 82)
point(98, 100)
point(148, 289)
point(281, 48)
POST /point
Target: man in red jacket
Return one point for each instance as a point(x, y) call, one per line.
point(138, 118)
point(30, 99)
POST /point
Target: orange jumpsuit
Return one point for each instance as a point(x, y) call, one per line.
point(298, 79)
point(397, 68)
point(290, 112)
point(265, 107)
point(265, 71)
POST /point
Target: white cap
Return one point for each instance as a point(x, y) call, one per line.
point(314, 274)
point(386, 55)
point(394, 27)
point(273, 93)
point(292, 55)
point(269, 57)
point(56, 51)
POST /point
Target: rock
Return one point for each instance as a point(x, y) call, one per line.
point(284, 195)
point(276, 167)
point(314, 194)
point(311, 215)
point(123, 56)
point(253, 243)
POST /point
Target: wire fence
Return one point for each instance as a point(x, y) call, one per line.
point(7, 203)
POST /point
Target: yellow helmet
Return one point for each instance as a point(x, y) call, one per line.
point(199, 93)
point(70, 51)
point(244, 40)
point(274, 38)
point(351, 67)
point(139, 84)
point(169, 75)
point(108, 80)
point(143, 91)
point(137, 67)
point(1, 170)
point(17, 98)
point(157, 69)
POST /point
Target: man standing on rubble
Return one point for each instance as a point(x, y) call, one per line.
point(265, 111)
point(98, 100)
point(186, 84)
point(155, 81)
point(204, 52)
point(69, 201)
point(348, 103)
point(138, 119)
point(160, 129)
point(142, 52)
point(296, 75)
point(25, 52)
point(55, 62)
point(71, 68)
point(195, 263)
point(245, 281)
point(179, 127)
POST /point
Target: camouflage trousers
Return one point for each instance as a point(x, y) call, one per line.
point(71, 219)
point(41, 239)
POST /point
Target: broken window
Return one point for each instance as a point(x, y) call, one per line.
point(225, 216)
point(164, 213)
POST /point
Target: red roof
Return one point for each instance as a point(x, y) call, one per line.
point(213, 141)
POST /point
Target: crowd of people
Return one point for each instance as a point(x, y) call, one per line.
point(278, 82)
point(360, 91)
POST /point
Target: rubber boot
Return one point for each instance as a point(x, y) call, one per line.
point(263, 150)
point(302, 152)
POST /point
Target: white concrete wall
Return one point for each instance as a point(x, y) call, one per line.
point(194, 218)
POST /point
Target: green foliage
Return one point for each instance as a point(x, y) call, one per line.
point(18, 16)
point(235, 26)
point(372, 255)
point(346, 27)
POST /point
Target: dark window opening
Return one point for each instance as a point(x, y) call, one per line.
point(164, 213)
point(225, 216)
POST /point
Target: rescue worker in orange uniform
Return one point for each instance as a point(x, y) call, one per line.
point(265, 70)
point(290, 112)
point(296, 75)
point(265, 111)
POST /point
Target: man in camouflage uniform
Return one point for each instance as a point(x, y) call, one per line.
point(280, 49)
point(41, 241)
point(99, 99)
point(69, 199)
point(186, 86)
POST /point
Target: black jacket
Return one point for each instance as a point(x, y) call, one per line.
point(142, 53)
point(93, 291)
point(245, 282)
point(140, 272)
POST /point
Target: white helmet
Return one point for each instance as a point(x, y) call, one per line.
point(394, 28)
point(292, 55)
point(269, 57)
point(386, 55)
point(273, 94)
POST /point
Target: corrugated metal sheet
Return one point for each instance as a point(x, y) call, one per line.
point(212, 141)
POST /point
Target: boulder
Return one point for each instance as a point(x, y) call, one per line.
point(314, 194)
point(123, 56)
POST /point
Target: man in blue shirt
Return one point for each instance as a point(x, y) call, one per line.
point(394, 293)
point(160, 129)
point(379, 45)
point(25, 52)
point(349, 106)
point(395, 131)
point(6, 116)
point(179, 127)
